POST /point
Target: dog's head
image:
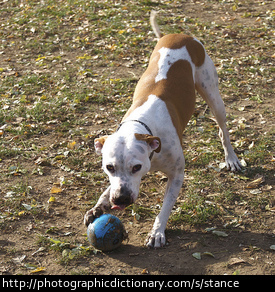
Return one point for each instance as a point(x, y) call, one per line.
point(126, 160)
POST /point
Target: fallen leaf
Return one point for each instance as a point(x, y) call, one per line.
point(222, 165)
point(30, 266)
point(243, 163)
point(41, 249)
point(210, 229)
point(51, 200)
point(136, 215)
point(19, 260)
point(72, 145)
point(251, 145)
point(243, 177)
point(197, 255)
point(255, 183)
point(55, 190)
point(220, 233)
point(42, 161)
point(255, 192)
point(28, 207)
point(54, 241)
point(208, 254)
point(235, 261)
point(37, 270)
point(229, 33)
point(29, 227)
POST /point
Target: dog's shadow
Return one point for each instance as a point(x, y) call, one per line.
point(239, 252)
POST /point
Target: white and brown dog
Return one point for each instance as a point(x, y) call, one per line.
point(163, 103)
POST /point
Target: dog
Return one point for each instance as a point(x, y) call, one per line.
point(149, 137)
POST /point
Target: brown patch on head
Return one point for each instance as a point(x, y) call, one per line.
point(99, 142)
point(153, 141)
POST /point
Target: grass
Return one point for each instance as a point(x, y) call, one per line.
point(68, 70)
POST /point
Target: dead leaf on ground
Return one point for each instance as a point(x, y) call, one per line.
point(220, 233)
point(56, 190)
point(73, 145)
point(37, 270)
point(256, 182)
point(18, 260)
point(208, 253)
point(51, 199)
point(42, 161)
point(198, 255)
point(235, 261)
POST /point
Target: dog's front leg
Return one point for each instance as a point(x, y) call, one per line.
point(156, 238)
point(102, 205)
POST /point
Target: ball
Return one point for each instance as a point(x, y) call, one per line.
point(106, 233)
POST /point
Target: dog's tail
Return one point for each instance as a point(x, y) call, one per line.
point(154, 24)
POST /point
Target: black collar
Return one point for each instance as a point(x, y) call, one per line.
point(144, 125)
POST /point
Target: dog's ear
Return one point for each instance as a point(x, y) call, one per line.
point(153, 141)
point(99, 142)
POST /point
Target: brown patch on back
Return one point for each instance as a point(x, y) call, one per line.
point(178, 90)
point(173, 41)
point(196, 51)
point(177, 41)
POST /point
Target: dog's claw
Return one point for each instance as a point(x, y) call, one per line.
point(90, 215)
point(155, 240)
point(233, 163)
point(236, 166)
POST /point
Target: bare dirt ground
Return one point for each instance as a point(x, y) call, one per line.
point(55, 99)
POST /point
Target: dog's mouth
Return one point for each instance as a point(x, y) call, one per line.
point(121, 203)
point(118, 207)
point(121, 198)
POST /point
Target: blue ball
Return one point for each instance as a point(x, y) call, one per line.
point(106, 232)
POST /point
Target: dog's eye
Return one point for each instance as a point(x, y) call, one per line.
point(110, 168)
point(136, 168)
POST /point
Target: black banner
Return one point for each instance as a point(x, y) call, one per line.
point(159, 283)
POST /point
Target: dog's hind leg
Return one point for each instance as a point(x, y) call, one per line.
point(206, 81)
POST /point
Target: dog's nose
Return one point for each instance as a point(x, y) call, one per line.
point(125, 191)
point(123, 196)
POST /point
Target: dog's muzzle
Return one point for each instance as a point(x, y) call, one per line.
point(122, 198)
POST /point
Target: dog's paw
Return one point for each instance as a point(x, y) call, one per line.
point(155, 239)
point(90, 215)
point(233, 163)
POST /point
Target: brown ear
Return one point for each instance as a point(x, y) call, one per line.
point(153, 141)
point(99, 142)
